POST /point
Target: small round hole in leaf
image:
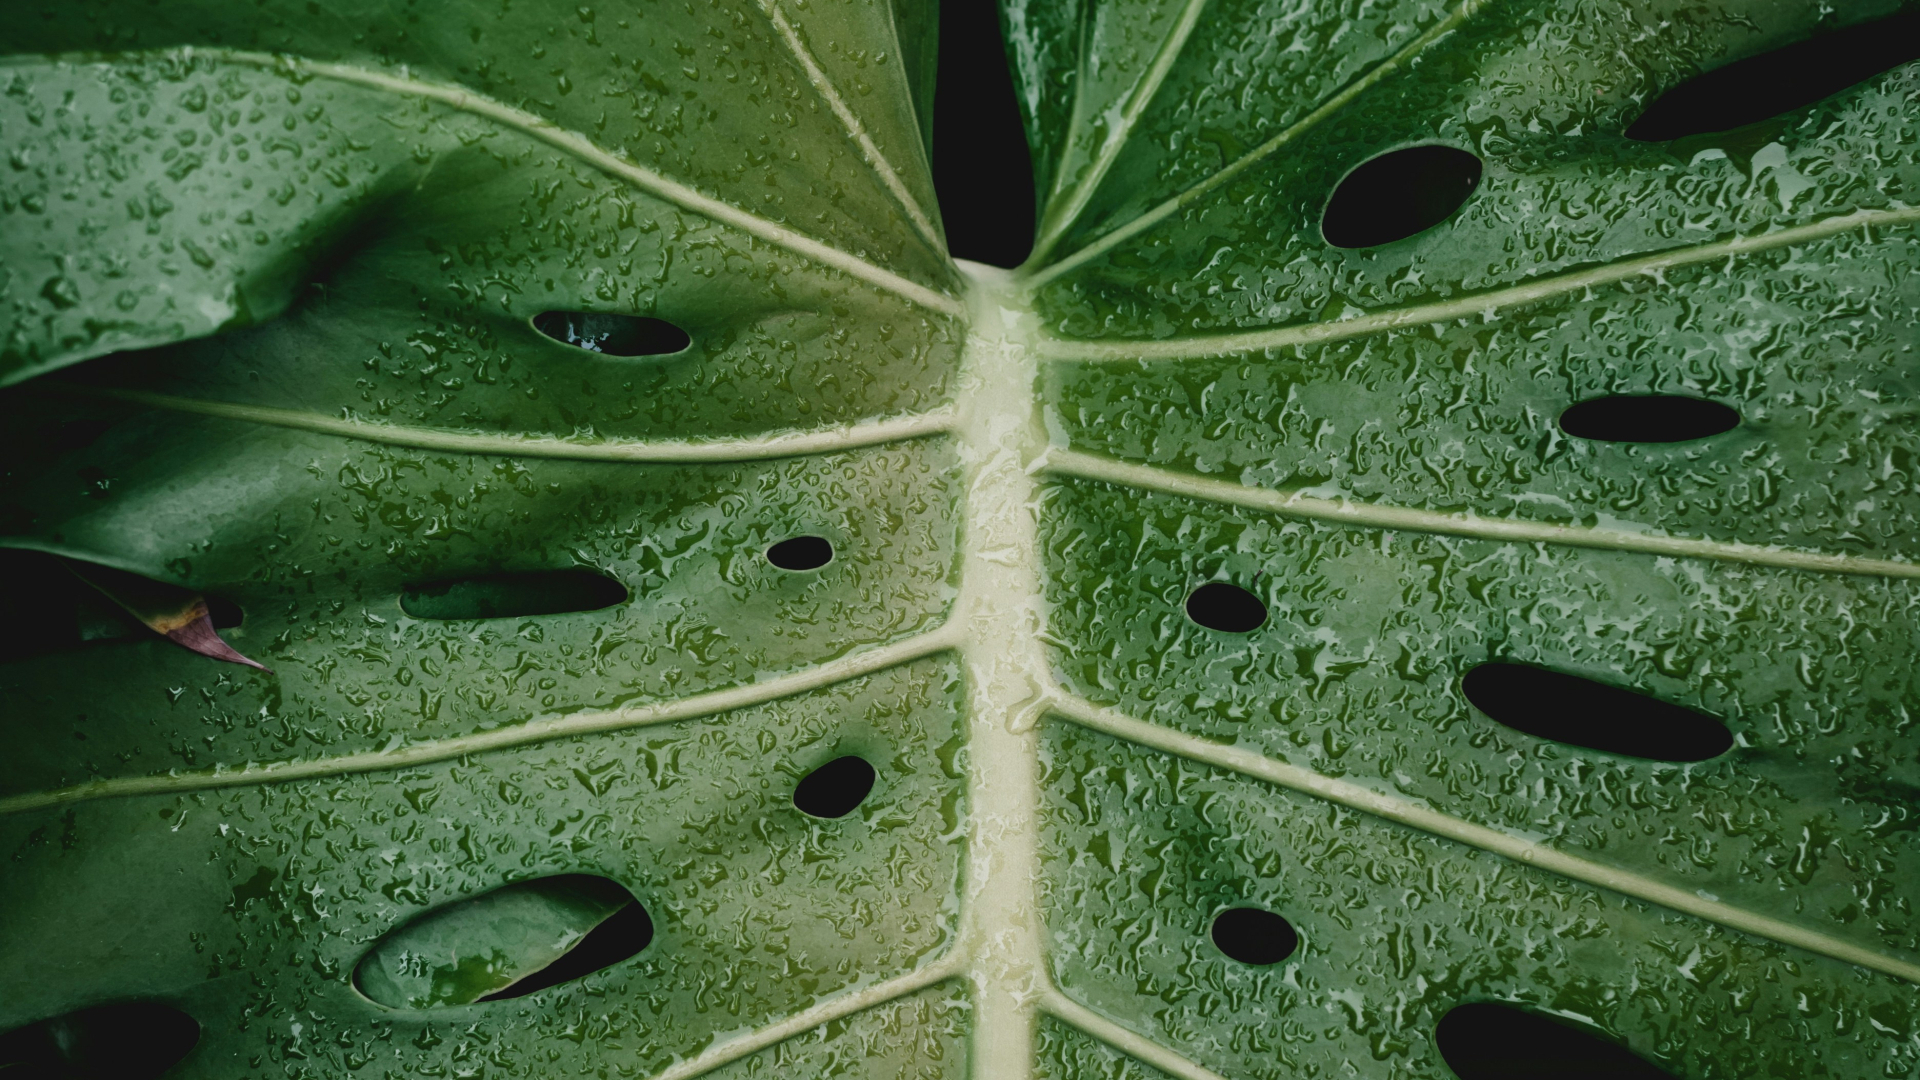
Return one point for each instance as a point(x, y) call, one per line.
point(835, 789)
point(1399, 194)
point(136, 1040)
point(1488, 1040)
point(1254, 936)
point(1648, 418)
point(1227, 608)
point(801, 553)
point(613, 334)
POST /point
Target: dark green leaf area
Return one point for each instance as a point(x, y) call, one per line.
point(1357, 673)
point(135, 1040)
point(484, 947)
point(641, 86)
point(1562, 190)
point(1466, 414)
point(345, 269)
point(1141, 848)
point(324, 600)
point(758, 913)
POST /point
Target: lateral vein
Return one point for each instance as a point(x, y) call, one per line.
point(1059, 220)
point(1507, 530)
point(858, 131)
point(584, 722)
point(1482, 304)
point(1407, 812)
point(1371, 77)
point(689, 451)
point(1065, 1009)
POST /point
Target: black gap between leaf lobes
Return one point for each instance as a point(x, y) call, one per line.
point(613, 334)
point(835, 789)
point(1782, 81)
point(1580, 712)
point(982, 170)
point(1399, 194)
point(1648, 418)
point(1227, 608)
point(1254, 936)
point(130, 1041)
point(801, 553)
point(512, 595)
point(1486, 1040)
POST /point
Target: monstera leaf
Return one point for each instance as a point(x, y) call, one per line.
point(1415, 577)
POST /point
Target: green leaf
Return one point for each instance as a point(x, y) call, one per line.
point(483, 354)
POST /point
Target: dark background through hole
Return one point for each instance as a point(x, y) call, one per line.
point(982, 172)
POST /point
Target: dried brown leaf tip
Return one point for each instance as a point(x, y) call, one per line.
point(178, 614)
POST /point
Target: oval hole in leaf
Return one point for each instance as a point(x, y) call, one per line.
point(835, 789)
point(1581, 712)
point(1648, 418)
point(613, 334)
point(505, 944)
point(135, 1040)
point(1399, 194)
point(1486, 1040)
point(513, 595)
point(801, 553)
point(1254, 936)
point(1227, 608)
point(1760, 87)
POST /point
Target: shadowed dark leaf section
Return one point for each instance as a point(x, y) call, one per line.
point(613, 334)
point(1581, 712)
point(835, 789)
point(130, 1041)
point(1648, 418)
point(1254, 936)
point(1399, 194)
point(513, 595)
point(1759, 87)
point(1227, 608)
point(1486, 1040)
point(982, 170)
point(801, 553)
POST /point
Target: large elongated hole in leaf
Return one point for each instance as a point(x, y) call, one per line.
point(612, 333)
point(982, 170)
point(513, 595)
point(1570, 709)
point(1399, 194)
point(506, 943)
point(1486, 1040)
point(801, 553)
point(1758, 87)
point(135, 1040)
point(1648, 418)
point(52, 604)
point(1228, 608)
point(835, 789)
point(1254, 936)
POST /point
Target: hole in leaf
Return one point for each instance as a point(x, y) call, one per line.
point(507, 943)
point(1399, 194)
point(801, 553)
point(130, 1041)
point(835, 789)
point(1648, 418)
point(982, 171)
point(1760, 87)
point(1228, 608)
point(1486, 1040)
point(612, 333)
point(1581, 712)
point(1254, 936)
point(513, 595)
